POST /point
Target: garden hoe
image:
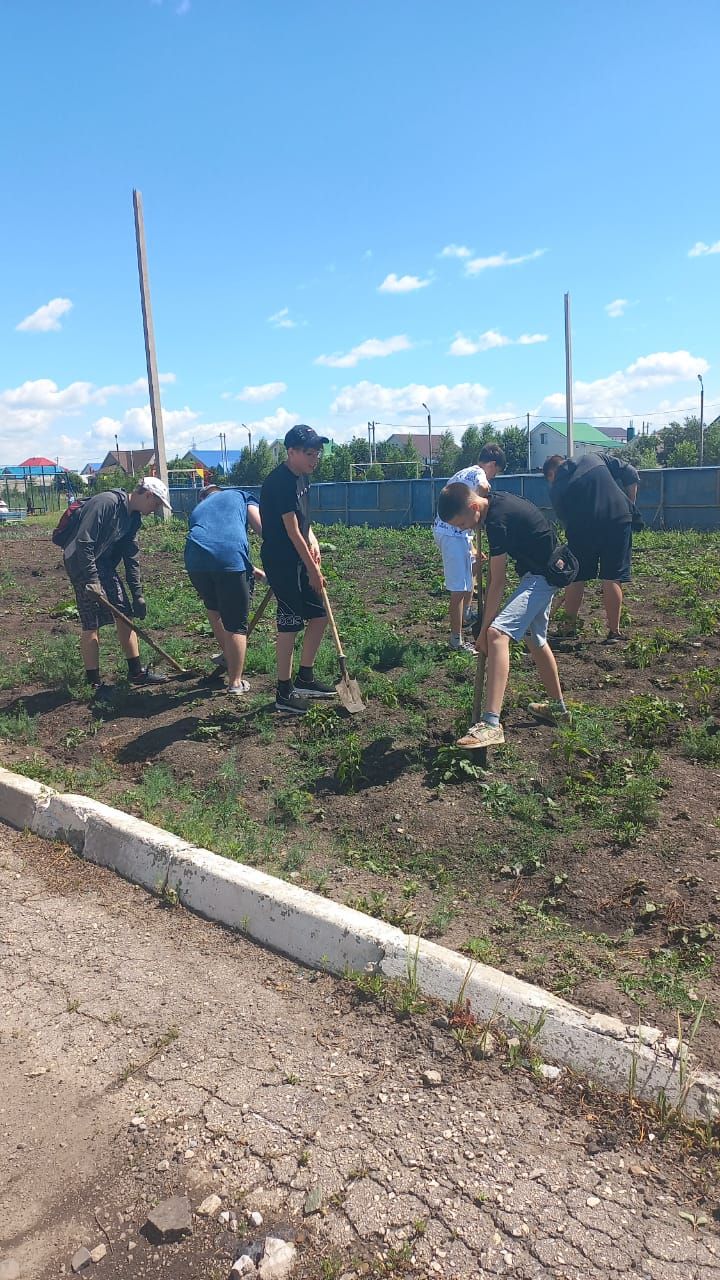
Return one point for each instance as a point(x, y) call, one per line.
point(144, 635)
point(348, 691)
point(259, 611)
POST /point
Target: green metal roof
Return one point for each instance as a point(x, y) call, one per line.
point(584, 433)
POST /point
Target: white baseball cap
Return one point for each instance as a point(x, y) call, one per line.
point(151, 484)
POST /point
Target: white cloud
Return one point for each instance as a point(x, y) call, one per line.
point(701, 250)
point(476, 265)
point(617, 308)
point(264, 391)
point(465, 400)
point(456, 251)
point(402, 284)
point(370, 349)
point(462, 346)
point(46, 317)
point(617, 393)
point(281, 319)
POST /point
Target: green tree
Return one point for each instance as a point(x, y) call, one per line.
point(472, 441)
point(447, 455)
point(515, 444)
point(640, 452)
point(375, 472)
point(252, 468)
point(712, 445)
point(116, 479)
point(684, 454)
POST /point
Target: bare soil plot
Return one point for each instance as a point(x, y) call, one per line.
point(586, 860)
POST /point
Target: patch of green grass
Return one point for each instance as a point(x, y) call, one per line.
point(667, 976)
point(650, 720)
point(292, 803)
point(701, 744)
point(19, 727)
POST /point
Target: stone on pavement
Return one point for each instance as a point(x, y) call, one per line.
point(243, 1266)
point(98, 1253)
point(278, 1259)
point(210, 1206)
point(9, 1269)
point(313, 1201)
point(170, 1220)
point(431, 1079)
point(81, 1259)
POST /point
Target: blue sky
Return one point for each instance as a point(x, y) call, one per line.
point(304, 165)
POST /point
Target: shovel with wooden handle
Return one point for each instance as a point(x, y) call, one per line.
point(347, 690)
point(481, 658)
point(261, 609)
point(144, 635)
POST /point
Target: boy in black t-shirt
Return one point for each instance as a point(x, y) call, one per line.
point(515, 528)
point(291, 560)
point(594, 496)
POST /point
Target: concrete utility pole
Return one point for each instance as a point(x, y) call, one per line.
point(430, 457)
point(568, 380)
point(702, 421)
point(527, 415)
point(150, 357)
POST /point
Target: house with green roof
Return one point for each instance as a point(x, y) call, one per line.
point(551, 437)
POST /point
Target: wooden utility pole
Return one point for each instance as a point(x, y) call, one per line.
point(150, 357)
point(527, 415)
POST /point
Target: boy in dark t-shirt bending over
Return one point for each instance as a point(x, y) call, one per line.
point(291, 560)
point(514, 528)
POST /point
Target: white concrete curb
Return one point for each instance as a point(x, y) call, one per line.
point(323, 934)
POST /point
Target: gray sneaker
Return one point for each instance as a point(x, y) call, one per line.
point(292, 702)
point(461, 646)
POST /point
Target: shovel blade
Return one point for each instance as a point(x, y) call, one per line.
point(348, 692)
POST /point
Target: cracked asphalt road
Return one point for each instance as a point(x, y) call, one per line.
point(254, 1078)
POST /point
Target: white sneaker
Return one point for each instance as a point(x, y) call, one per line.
point(237, 690)
point(482, 735)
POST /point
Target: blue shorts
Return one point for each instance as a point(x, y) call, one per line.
point(457, 554)
point(527, 612)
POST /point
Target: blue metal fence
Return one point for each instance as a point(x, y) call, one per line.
point(669, 498)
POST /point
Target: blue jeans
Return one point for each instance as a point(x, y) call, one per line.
point(527, 612)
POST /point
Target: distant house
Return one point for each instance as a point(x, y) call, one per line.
point(551, 437)
point(91, 469)
point(420, 442)
point(213, 459)
point(132, 461)
point(615, 433)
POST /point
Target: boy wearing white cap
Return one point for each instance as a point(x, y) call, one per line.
point(95, 537)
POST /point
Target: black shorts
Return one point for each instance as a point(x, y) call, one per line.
point(93, 613)
point(297, 603)
point(228, 594)
point(603, 553)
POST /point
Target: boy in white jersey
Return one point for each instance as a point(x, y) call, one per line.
point(457, 548)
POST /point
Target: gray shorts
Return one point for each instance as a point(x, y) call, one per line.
point(527, 612)
point(93, 613)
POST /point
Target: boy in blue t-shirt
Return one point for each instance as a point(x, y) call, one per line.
point(217, 559)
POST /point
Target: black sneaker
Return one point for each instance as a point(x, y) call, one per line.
point(614, 637)
point(103, 693)
point(148, 676)
point(314, 688)
point(292, 702)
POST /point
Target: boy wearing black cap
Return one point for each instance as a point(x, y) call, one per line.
point(291, 560)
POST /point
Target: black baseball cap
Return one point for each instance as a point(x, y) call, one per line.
point(302, 437)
